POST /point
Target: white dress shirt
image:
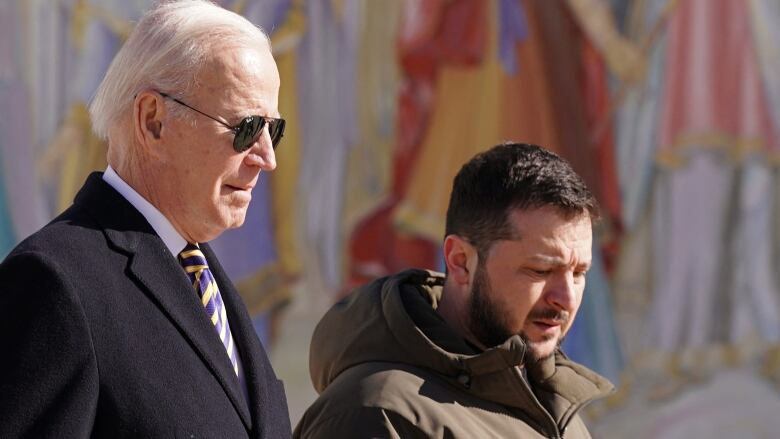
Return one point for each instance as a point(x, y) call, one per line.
point(164, 229)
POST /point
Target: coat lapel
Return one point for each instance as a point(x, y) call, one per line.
point(163, 280)
point(257, 368)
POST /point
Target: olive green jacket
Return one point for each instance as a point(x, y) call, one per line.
point(386, 365)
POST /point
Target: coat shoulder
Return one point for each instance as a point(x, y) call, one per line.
point(392, 398)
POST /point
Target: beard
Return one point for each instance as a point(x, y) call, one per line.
point(489, 323)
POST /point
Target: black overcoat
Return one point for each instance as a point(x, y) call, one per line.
point(103, 336)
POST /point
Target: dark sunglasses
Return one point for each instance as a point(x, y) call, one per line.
point(248, 130)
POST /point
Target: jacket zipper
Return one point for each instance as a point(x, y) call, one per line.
point(558, 433)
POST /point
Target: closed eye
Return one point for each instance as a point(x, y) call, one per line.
point(580, 276)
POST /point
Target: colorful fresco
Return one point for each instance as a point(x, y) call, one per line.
point(670, 109)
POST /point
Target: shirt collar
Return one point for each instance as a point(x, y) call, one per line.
point(164, 229)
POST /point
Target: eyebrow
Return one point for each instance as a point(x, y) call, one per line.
point(559, 262)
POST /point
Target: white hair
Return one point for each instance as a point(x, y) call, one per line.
point(165, 52)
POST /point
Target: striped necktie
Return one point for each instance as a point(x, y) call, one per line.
point(197, 269)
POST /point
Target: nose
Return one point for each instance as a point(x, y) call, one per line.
point(562, 292)
point(262, 154)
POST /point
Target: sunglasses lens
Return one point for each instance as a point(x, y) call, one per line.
point(250, 128)
point(247, 133)
point(276, 130)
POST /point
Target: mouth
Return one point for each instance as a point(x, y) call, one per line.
point(245, 188)
point(548, 327)
point(549, 322)
point(241, 194)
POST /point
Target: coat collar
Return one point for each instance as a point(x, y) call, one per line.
point(163, 280)
point(560, 386)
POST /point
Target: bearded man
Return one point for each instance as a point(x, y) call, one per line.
point(475, 352)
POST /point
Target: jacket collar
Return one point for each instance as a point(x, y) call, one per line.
point(560, 386)
point(163, 280)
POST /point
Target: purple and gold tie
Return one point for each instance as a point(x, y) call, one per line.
point(197, 269)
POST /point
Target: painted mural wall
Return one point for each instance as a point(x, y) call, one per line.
point(670, 109)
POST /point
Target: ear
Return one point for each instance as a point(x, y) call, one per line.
point(461, 258)
point(148, 114)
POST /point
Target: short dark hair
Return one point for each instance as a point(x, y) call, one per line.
point(512, 176)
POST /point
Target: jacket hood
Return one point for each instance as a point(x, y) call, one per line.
point(374, 324)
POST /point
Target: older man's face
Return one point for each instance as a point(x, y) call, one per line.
point(206, 185)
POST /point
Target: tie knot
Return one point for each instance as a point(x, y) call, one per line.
point(192, 259)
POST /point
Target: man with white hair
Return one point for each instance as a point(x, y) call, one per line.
point(119, 321)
